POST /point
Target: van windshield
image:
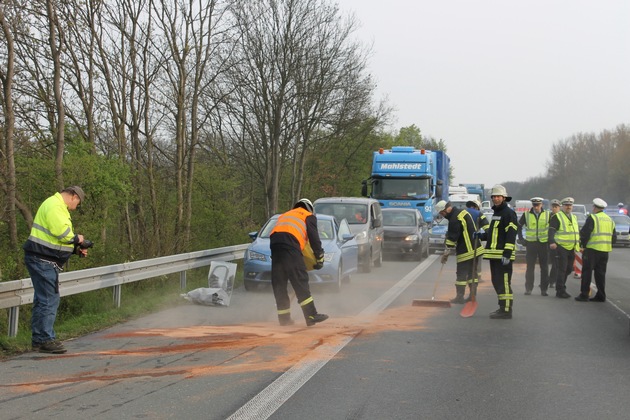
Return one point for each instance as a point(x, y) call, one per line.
point(355, 214)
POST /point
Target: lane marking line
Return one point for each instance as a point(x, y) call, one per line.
point(267, 401)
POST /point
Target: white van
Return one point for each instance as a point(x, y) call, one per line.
point(460, 200)
point(365, 219)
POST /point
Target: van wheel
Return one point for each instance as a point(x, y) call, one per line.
point(379, 261)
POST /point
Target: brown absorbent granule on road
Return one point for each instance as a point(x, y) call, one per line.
point(239, 348)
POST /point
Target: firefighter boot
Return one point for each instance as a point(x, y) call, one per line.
point(473, 290)
point(310, 314)
point(501, 313)
point(285, 319)
point(460, 295)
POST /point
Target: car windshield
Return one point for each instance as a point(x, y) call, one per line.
point(620, 219)
point(325, 229)
point(266, 230)
point(354, 213)
point(399, 218)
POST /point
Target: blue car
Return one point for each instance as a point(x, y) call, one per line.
point(437, 235)
point(340, 254)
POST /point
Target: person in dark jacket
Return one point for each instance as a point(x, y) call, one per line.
point(287, 241)
point(51, 243)
point(459, 237)
point(501, 250)
point(553, 254)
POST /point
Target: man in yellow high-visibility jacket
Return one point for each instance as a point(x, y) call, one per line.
point(51, 243)
point(564, 239)
point(596, 237)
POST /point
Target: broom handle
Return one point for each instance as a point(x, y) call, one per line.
point(436, 282)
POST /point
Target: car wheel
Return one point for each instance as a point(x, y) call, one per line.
point(337, 284)
point(249, 286)
point(379, 261)
point(367, 263)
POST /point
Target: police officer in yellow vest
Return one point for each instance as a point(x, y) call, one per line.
point(536, 222)
point(564, 238)
point(596, 236)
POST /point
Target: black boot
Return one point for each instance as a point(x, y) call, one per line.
point(311, 316)
point(285, 319)
point(460, 295)
point(501, 313)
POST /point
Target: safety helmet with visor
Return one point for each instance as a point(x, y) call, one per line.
point(305, 203)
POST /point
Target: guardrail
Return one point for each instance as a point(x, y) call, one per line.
point(15, 293)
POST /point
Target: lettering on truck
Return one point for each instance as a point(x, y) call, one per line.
point(401, 166)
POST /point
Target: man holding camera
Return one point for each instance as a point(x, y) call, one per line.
point(51, 243)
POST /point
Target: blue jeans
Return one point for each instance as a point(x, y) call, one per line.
point(44, 276)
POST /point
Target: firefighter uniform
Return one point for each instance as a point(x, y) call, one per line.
point(563, 231)
point(596, 237)
point(459, 236)
point(536, 237)
point(287, 240)
point(501, 252)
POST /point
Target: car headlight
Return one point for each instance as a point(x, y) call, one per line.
point(360, 235)
point(253, 255)
point(328, 256)
point(412, 238)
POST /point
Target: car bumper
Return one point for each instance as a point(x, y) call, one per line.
point(623, 239)
point(400, 247)
point(436, 243)
point(261, 274)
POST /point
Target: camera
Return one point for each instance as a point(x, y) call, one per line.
point(83, 245)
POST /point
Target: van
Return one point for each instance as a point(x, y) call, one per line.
point(365, 219)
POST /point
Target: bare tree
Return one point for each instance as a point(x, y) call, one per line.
point(296, 77)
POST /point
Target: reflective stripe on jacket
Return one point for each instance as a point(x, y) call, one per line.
point(602, 235)
point(51, 235)
point(294, 222)
point(567, 235)
point(537, 226)
point(459, 235)
point(501, 234)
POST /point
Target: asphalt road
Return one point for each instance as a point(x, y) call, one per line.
point(378, 357)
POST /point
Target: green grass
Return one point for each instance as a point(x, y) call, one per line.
point(93, 311)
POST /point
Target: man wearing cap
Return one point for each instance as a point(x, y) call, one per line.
point(564, 238)
point(459, 237)
point(536, 222)
point(553, 254)
point(596, 237)
point(501, 250)
point(51, 243)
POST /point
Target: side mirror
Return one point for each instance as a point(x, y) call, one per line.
point(346, 237)
point(253, 235)
point(377, 223)
point(364, 188)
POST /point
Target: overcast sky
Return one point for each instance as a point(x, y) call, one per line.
point(500, 81)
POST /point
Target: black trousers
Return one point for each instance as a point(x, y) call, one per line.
point(565, 267)
point(553, 262)
point(594, 261)
point(502, 282)
point(536, 251)
point(287, 265)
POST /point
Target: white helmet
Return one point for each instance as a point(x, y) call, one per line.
point(500, 190)
point(441, 206)
point(305, 203)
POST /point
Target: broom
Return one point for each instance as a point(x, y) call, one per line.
point(433, 302)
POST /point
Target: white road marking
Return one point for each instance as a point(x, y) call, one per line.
point(265, 403)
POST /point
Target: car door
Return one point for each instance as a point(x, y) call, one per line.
point(349, 249)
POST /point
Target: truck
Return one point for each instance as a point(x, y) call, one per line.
point(476, 189)
point(406, 177)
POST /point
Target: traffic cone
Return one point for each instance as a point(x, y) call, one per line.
point(577, 265)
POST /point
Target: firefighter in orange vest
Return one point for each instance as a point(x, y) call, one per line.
point(288, 238)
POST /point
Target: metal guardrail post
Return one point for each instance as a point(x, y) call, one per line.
point(117, 295)
point(14, 315)
point(182, 280)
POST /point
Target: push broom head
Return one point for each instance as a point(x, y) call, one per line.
point(431, 302)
